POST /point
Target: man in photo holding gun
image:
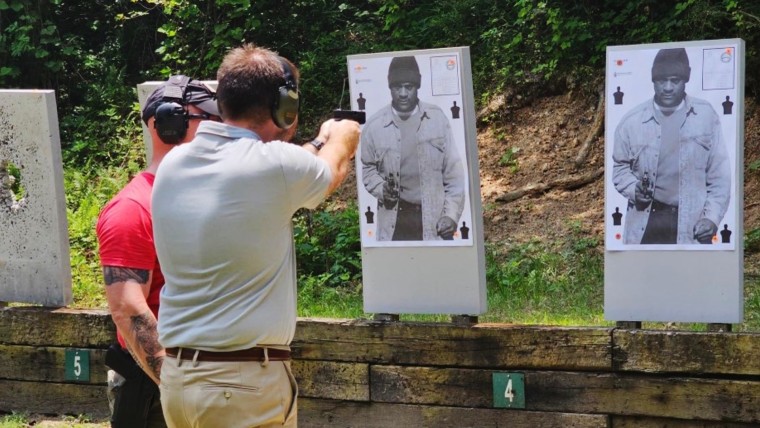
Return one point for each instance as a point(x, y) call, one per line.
point(410, 163)
point(670, 161)
point(131, 271)
point(222, 209)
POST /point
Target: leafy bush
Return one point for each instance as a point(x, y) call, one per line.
point(329, 262)
point(328, 246)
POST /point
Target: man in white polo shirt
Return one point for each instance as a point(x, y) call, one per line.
point(222, 209)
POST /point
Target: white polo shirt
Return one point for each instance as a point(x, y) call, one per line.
point(222, 209)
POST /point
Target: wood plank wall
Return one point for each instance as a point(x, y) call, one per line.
point(359, 373)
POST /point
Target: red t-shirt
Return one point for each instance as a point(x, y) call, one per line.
point(125, 235)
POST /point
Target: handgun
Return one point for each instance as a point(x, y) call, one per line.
point(646, 184)
point(358, 116)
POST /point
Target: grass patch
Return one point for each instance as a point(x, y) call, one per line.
point(317, 300)
point(14, 420)
point(24, 420)
point(329, 263)
point(558, 283)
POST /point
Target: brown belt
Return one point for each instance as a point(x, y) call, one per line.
point(252, 354)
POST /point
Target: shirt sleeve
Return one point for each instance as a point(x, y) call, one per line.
point(125, 236)
point(371, 170)
point(307, 177)
point(622, 175)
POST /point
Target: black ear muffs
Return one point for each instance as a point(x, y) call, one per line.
point(285, 106)
point(172, 118)
point(171, 122)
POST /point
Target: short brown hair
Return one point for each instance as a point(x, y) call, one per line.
point(248, 82)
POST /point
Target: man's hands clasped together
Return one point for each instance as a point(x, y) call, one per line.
point(446, 227)
point(704, 231)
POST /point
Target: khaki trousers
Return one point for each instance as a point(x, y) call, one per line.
point(244, 394)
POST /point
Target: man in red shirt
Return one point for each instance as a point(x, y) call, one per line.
point(133, 278)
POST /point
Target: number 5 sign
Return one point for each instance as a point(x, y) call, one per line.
point(77, 365)
point(509, 390)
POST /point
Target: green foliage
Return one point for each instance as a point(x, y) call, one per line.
point(752, 241)
point(509, 159)
point(104, 132)
point(196, 37)
point(88, 188)
point(85, 196)
point(318, 300)
point(329, 263)
point(546, 282)
point(29, 41)
point(328, 247)
point(18, 184)
point(534, 42)
point(94, 53)
point(14, 420)
point(751, 304)
point(24, 420)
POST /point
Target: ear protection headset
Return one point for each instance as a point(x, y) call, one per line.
point(285, 106)
point(172, 117)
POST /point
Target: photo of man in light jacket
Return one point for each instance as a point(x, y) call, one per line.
point(410, 163)
point(671, 162)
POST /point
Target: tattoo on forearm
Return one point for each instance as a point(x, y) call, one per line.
point(113, 275)
point(155, 364)
point(146, 334)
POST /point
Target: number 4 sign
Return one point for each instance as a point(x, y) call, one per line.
point(77, 365)
point(509, 390)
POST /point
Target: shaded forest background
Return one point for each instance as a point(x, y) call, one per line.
point(93, 53)
point(538, 68)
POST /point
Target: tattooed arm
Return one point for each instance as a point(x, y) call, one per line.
point(127, 292)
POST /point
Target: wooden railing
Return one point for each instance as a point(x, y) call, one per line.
point(366, 373)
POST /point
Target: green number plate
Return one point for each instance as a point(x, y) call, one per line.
point(77, 365)
point(509, 390)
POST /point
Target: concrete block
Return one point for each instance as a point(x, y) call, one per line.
point(35, 266)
